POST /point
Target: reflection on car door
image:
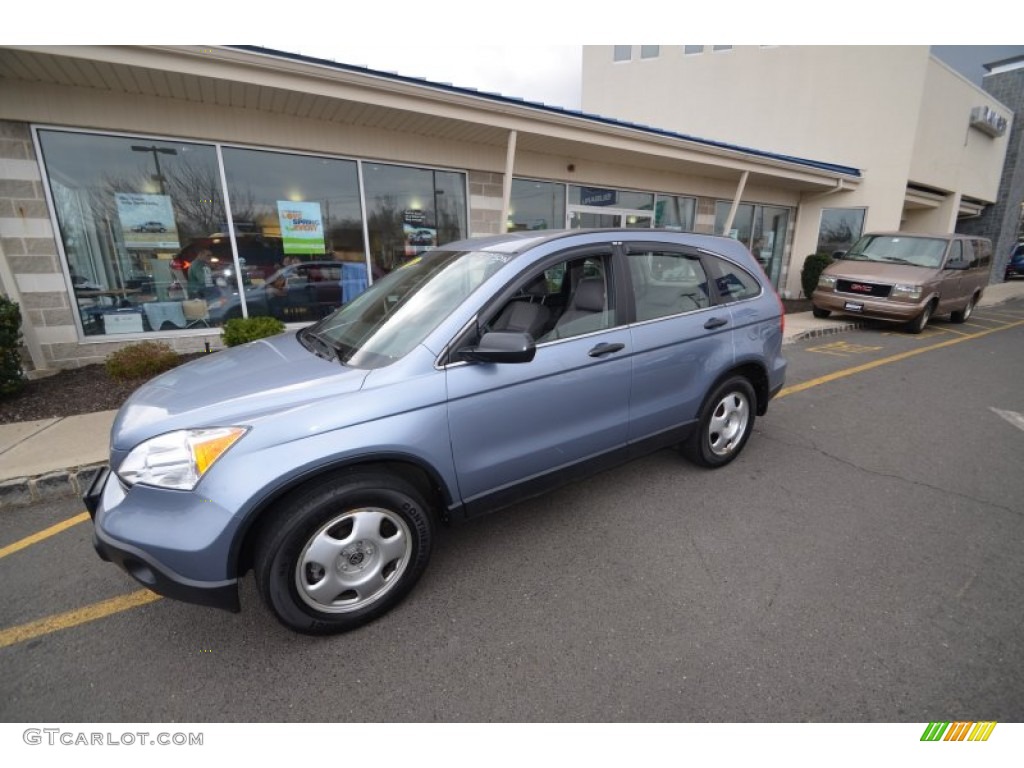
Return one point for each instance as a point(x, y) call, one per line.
point(519, 422)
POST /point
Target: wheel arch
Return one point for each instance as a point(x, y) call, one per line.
point(422, 477)
point(756, 374)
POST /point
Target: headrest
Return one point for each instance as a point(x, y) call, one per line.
point(589, 295)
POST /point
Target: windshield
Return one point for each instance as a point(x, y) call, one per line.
point(897, 249)
point(397, 312)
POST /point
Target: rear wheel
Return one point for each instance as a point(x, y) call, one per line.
point(962, 315)
point(342, 554)
point(725, 424)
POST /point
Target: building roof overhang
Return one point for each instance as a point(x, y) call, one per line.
point(298, 86)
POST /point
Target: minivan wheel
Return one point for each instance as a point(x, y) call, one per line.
point(819, 313)
point(725, 424)
point(962, 315)
point(918, 323)
point(341, 554)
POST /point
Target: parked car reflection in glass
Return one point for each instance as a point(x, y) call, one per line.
point(297, 293)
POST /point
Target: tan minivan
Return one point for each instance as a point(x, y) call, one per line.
point(905, 277)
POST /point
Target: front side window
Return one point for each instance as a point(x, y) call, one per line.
point(126, 207)
point(563, 300)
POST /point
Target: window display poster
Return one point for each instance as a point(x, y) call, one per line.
point(147, 221)
point(302, 227)
point(418, 239)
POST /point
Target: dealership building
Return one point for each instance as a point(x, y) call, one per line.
point(156, 191)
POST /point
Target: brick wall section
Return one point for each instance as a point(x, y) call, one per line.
point(28, 246)
point(485, 193)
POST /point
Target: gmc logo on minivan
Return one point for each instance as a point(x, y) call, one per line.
point(860, 287)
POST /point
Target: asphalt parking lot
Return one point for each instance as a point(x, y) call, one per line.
point(860, 562)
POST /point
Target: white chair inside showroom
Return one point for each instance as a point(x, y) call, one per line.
point(196, 313)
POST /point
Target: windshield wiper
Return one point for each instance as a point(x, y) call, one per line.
point(898, 260)
point(313, 341)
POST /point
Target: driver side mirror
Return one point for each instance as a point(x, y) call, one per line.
point(836, 255)
point(501, 347)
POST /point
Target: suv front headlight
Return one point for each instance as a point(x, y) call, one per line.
point(827, 281)
point(179, 459)
point(901, 291)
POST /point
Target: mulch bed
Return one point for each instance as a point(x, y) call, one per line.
point(69, 393)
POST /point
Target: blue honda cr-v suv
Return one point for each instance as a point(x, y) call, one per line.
point(474, 376)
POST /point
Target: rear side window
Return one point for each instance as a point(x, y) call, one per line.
point(732, 282)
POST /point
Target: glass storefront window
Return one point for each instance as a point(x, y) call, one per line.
point(611, 198)
point(840, 228)
point(299, 234)
point(536, 205)
point(675, 213)
point(125, 208)
point(411, 210)
point(762, 228)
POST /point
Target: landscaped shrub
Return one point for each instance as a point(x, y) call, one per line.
point(813, 267)
point(142, 360)
point(12, 377)
point(245, 329)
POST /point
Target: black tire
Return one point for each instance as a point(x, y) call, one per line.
point(821, 314)
point(726, 421)
point(374, 534)
point(962, 315)
point(918, 323)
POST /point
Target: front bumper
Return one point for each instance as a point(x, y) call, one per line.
point(876, 309)
point(136, 559)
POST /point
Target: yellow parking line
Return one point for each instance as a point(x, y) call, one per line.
point(950, 330)
point(73, 618)
point(35, 538)
point(842, 374)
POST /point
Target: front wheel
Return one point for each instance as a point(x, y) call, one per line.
point(725, 424)
point(918, 323)
point(819, 313)
point(341, 554)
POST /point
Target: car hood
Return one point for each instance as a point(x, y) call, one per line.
point(235, 386)
point(879, 272)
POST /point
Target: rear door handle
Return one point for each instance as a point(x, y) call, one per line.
point(605, 349)
point(715, 322)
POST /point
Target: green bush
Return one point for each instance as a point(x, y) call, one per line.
point(12, 377)
point(141, 361)
point(813, 267)
point(242, 330)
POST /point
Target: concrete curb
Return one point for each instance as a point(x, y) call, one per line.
point(20, 491)
point(814, 333)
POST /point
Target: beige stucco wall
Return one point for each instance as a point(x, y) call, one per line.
point(949, 155)
point(893, 112)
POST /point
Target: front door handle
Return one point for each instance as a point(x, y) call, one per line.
point(715, 322)
point(605, 349)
